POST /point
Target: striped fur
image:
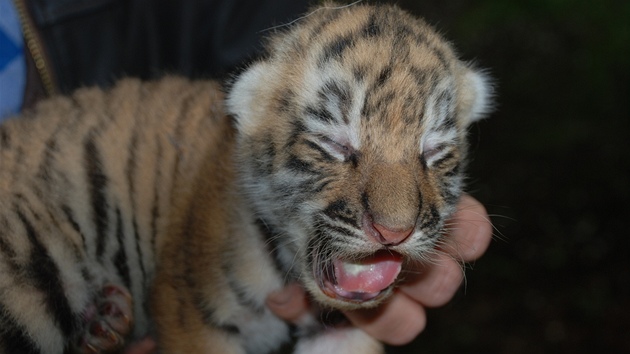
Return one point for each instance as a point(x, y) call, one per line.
point(86, 188)
point(355, 117)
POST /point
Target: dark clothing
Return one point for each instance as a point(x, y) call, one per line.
point(95, 42)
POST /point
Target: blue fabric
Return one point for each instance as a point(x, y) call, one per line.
point(12, 63)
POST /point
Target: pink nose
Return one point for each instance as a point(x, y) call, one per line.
point(391, 237)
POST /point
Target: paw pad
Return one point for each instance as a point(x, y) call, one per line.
point(108, 321)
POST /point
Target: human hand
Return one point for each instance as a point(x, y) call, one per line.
point(143, 346)
point(403, 317)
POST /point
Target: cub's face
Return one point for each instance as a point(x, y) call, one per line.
point(352, 145)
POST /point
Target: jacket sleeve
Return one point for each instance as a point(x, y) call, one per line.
point(96, 42)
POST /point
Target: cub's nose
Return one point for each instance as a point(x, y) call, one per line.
point(389, 237)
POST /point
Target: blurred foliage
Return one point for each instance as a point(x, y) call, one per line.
point(551, 165)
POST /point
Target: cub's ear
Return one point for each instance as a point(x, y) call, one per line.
point(246, 96)
point(475, 95)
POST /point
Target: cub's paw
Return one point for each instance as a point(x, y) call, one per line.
point(107, 321)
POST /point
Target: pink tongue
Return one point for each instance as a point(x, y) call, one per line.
point(369, 275)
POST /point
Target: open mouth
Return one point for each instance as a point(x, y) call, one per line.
point(360, 280)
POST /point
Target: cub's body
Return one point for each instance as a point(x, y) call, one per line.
point(334, 161)
point(98, 177)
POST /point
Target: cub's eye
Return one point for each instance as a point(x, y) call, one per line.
point(431, 153)
point(434, 155)
point(340, 150)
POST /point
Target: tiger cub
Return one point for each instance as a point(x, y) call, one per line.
point(166, 208)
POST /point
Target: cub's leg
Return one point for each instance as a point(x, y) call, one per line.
point(107, 321)
point(180, 324)
point(28, 324)
point(53, 300)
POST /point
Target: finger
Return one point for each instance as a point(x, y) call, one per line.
point(289, 303)
point(144, 346)
point(435, 284)
point(471, 230)
point(396, 322)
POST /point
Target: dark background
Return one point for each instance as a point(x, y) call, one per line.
point(551, 165)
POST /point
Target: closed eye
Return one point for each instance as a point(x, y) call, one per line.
point(431, 153)
point(436, 155)
point(341, 151)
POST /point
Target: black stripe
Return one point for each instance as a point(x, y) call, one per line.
point(97, 185)
point(448, 157)
point(450, 195)
point(54, 222)
point(273, 244)
point(318, 187)
point(371, 29)
point(325, 155)
point(420, 201)
point(43, 270)
point(73, 222)
point(342, 91)
point(423, 163)
point(130, 171)
point(240, 292)
point(4, 246)
point(342, 231)
point(365, 201)
point(455, 170)
point(335, 49)
point(419, 75)
point(367, 109)
point(383, 103)
point(319, 113)
point(298, 192)
point(230, 329)
point(5, 140)
point(139, 251)
point(284, 100)
point(402, 32)
point(120, 258)
point(296, 164)
point(353, 158)
point(85, 273)
point(205, 310)
point(297, 128)
point(201, 302)
point(440, 54)
point(359, 72)
point(383, 76)
point(45, 167)
point(339, 210)
point(430, 219)
point(375, 106)
point(13, 338)
point(155, 207)
point(339, 89)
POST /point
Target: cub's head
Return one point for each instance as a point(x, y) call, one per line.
point(352, 145)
